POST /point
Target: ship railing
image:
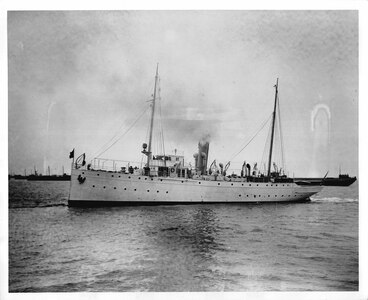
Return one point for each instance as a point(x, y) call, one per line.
point(113, 165)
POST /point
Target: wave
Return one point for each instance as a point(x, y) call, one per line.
point(52, 205)
point(333, 199)
point(35, 205)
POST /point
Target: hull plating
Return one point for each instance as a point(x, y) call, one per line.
point(105, 188)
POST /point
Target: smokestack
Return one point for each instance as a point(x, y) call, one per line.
point(202, 156)
point(195, 155)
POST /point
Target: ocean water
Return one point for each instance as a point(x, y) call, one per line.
point(260, 247)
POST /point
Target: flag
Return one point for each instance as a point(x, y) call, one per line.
point(71, 154)
point(80, 161)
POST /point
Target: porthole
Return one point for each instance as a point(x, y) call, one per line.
point(114, 187)
point(112, 175)
point(139, 178)
point(257, 184)
point(129, 177)
point(199, 182)
point(147, 191)
point(218, 183)
point(167, 192)
point(119, 176)
point(104, 187)
point(242, 184)
point(239, 195)
point(250, 185)
point(158, 191)
point(98, 174)
point(182, 181)
point(266, 184)
point(276, 184)
point(268, 195)
point(82, 172)
point(93, 185)
point(255, 196)
point(232, 184)
point(160, 179)
point(135, 189)
point(145, 178)
point(124, 189)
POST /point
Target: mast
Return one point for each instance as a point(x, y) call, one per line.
point(152, 117)
point(273, 128)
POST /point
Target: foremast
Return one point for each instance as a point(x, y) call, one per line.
point(149, 153)
point(273, 128)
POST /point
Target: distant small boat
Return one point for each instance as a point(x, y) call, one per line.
point(63, 177)
point(342, 180)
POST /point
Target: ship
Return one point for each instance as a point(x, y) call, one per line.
point(48, 177)
point(167, 180)
point(64, 177)
point(342, 180)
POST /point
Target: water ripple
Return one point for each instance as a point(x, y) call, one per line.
point(277, 247)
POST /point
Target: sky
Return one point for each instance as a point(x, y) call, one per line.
point(77, 78)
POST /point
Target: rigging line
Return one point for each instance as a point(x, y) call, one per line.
point(146, 139)
point(266, 148)
point(112, 138)
point(131, 126)
point(263, 125)
point(162, 129)
point(281, 137)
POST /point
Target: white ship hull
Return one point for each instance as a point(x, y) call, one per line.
point(102, 188)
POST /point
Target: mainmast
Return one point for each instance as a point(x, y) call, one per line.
point(273, 128)
point(152, 118)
